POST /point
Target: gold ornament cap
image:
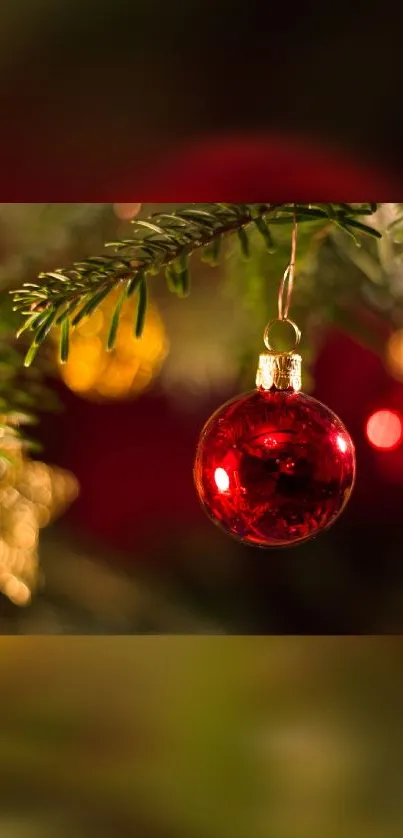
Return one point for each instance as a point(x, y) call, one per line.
point(279, 370)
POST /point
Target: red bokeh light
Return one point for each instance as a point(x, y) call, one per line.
point(384, 430)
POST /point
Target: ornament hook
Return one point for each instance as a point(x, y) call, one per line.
point(284, 296)
point(269, 327)
point(287, 282)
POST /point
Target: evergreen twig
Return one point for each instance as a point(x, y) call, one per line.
point(166, 240)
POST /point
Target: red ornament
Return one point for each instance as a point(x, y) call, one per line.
point(274, 467)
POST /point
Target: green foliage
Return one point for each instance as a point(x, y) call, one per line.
point(35, 235)
point(22, 390)
point(64, 340)
point(166, 240)
point(115, 320)
point(142, 308)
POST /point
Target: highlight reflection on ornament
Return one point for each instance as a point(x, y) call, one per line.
point(221, 479)
point(126, 371)
point(32, 495)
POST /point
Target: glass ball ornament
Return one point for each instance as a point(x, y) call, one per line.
point(274, 467)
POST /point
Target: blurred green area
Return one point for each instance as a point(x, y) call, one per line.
point(214, 737)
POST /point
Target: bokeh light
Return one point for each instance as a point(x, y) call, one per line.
point(394, 354)
point(99, 375)
point(384, 430)
point(32, 494)
point(126, 211)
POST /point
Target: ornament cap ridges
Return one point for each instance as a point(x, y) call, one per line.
point(279, 370)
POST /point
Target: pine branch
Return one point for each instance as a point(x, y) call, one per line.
point(166, 240)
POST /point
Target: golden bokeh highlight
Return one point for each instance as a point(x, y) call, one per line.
point(394, 354)
point(125, 371)
point(126, 211)
point(32, 495)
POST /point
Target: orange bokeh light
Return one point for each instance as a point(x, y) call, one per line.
point(384, 430)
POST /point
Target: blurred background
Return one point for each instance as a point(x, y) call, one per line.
point(102, 521)
point(203, 737)
point(89, 98)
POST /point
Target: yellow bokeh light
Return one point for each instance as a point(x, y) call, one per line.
point(126, 371)
point(15, 590)
point(394, 354)
point(31, 495)
point(92, 326)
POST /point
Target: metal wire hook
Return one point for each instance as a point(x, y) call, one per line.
point(287, 282)
point(268, 330)
point(284, 296)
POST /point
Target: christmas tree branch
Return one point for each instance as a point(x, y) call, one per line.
point(166, 240)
